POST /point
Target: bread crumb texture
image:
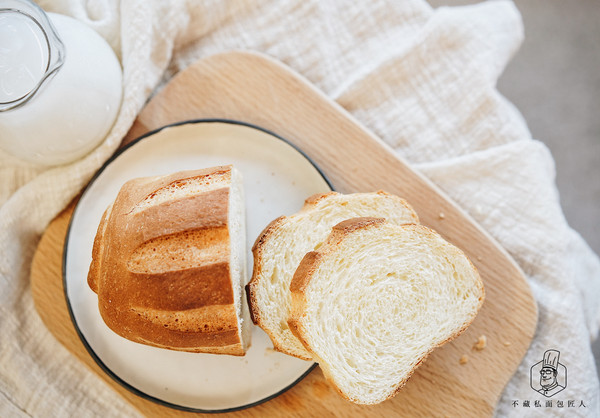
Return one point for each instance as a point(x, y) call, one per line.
point(282, 245)
point(380, 300)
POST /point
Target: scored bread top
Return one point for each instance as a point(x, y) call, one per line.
point(161, 263)
point(280, 247)
point(375, 299)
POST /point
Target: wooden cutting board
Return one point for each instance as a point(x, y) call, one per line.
point(256, 89)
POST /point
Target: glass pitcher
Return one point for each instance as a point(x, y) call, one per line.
point(60, 85)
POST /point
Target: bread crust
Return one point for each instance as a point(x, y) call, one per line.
point(305, 272)
point(162, 307)
point(252, 286)
point(98, 251)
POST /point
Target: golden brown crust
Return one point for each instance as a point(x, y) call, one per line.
point(190, 307)
point(298, 285)
point(179, 290)
point(231, 350)
point(350, 225)
point(97, 252)
point(257, 253)
point(304, 271)
point(316, 198)
point(264, 235)
point(310, 264)
point(203, 211)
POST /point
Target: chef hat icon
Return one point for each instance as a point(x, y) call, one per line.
point(551, 359)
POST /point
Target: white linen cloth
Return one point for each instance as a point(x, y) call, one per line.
point(423, 79)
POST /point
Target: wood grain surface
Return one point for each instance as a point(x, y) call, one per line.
point(256, 89)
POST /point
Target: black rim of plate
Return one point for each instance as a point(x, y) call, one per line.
point(87, 346)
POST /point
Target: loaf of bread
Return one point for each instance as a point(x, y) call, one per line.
point(280, 247)
point(375, 299)
point(168, 262)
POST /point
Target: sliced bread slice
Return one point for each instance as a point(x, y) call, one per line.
point(280, 247)
point(375, 299)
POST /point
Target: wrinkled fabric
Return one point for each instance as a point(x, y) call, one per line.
point(422, 79)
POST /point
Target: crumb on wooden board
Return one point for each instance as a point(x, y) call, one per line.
point(481, 343)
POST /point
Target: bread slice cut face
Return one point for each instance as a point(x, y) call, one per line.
point(280, 247)
point(375, 299)
point(169, 262)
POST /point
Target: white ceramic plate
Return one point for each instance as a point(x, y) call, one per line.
point(277, 179)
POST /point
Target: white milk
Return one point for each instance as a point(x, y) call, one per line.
point(74, 108)
point(23, 55)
